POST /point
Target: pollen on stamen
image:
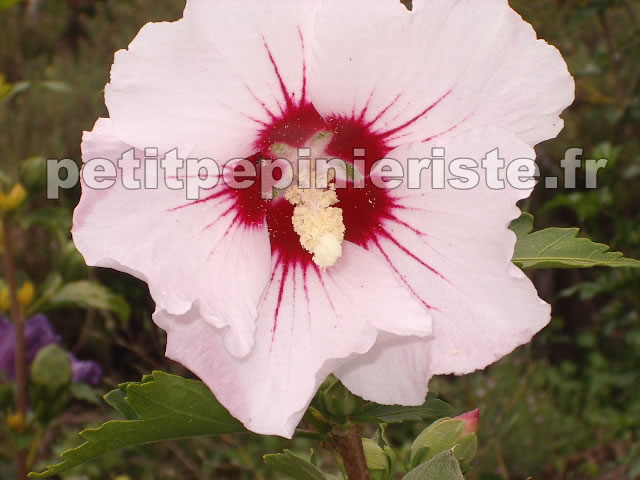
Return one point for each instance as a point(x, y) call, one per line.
point(318, 223)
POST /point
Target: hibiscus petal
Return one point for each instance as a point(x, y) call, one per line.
point(447, 66)
point(310, 322)
point(193, 254)
point(396, 371)
point(453, 249)
point(209, 83)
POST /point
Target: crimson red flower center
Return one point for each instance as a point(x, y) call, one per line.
point(363, 208)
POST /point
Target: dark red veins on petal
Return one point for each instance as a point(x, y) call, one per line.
point(408, 123)
point(304, 66)
point(367, 212)
point(382, 112)
point(287, 96)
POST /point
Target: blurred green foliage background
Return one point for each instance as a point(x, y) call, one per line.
point(565, 407)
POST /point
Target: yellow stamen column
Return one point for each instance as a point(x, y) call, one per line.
point(315, 219)
point(318, 223)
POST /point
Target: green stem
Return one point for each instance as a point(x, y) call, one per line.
point(17, 318)
point(33, 451)
point(310, 434)
point(500, 459)
point(613, 58)
point(340, 463)
point(348, 443)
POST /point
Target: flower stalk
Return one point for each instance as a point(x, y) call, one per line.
point(17, 317)
point(347, 442)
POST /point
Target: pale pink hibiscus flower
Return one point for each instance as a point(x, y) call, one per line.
point(424, 285)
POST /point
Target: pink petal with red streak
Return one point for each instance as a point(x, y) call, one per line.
point(310, 322)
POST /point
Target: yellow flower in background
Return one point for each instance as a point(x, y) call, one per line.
point(5, 302)
point(26, 293)
point(16, 421)
point(13, 199)
point(5, 87)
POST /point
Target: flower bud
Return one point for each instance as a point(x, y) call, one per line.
point(465, 449)
point(26, 294)
point(337, 401)
point(457, 434)
point(33, 174)
point(377, 459)
point(50, 378)
point(51, 368)
point(471, 421)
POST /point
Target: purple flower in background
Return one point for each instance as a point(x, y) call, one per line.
point(38, 334)
point(85, 371)
point(6, 345)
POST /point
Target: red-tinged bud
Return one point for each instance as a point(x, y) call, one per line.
point(470, 421)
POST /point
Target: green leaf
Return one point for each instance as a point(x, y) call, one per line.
point(118, 399)
point(88, 294)
point(82, 391)
point(168, 407)
point(378, 461)
point(56, 86)
point(14, 90)
point(441, 467)
point(561, 248)
point(53, 218)
point(293, 466)
point(438, 437)
point(4, 4)
point(47, 290)
point(380, 437)
point(522, 225)
point(19, 440)
point(70, 263)
point(432, 409)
